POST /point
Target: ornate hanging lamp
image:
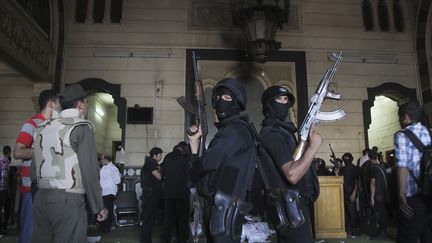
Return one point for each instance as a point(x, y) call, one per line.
point(261, 22)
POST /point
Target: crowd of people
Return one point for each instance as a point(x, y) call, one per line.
point(241, 172)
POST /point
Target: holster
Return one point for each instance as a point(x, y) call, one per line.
point(227, 215)
point(284, 209)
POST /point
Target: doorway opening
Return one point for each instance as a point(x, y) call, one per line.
point(380, 114)
point(103, 114)
point(384, 123)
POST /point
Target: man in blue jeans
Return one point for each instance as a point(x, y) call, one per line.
point(48, 102)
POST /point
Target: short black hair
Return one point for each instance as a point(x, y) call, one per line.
point(107, 157)
point(46, 96)
point(347, 158)
point(155, 151)
point(6, 149)
point(412, 109)
point(373, 154)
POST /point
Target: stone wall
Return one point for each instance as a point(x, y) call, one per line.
point(147, 50)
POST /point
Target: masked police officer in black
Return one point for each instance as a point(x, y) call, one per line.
point(277, 136)
point(228, 161)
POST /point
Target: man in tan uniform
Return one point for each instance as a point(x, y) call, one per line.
point(66, 169)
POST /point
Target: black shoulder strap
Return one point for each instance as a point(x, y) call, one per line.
point(255, 136)
point(415, 140)
point(419, 145)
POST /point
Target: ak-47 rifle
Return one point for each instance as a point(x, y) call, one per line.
point(333, 159)
point(314, 115)
point(198, 110)
point(332, 155)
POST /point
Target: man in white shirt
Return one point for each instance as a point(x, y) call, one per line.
point(109, 178)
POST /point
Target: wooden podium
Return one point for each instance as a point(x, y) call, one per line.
point(329, 208)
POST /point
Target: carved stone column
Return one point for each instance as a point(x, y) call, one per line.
point(389, 4)
point(89, 18)
point(107, 13)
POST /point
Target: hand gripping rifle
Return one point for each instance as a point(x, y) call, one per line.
point(198, 110)
point(314, 115)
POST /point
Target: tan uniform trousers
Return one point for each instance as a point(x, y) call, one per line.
point(59, 216)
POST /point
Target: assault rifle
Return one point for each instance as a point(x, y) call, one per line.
point(335, 161)
point(332, 155)
point(314, 115)
point(198, 110)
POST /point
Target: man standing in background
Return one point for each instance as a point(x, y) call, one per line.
point(48, 102)
point(66, 170)
point(415, 208)
point(151, 188)
point(175, 170)
point(109, 179)
point(4, 183)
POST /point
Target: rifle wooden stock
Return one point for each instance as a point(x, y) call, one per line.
point(298, 152)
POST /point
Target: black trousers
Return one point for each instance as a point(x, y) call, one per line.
point(176, 212)
point(419, 227)
point(350, 217)
point(381, 213)
point(302, 234)
point(105, 226)
point(9, 209)
point(149, 213)
point(3, 201)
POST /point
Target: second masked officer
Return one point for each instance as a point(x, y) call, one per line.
point(228, 163)
point(277, 136)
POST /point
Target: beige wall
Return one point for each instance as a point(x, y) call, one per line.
point(18, 102)
point(325, 26)
point(164, 25)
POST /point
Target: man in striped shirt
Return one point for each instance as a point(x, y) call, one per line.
point(48, 102)
point(415, 208)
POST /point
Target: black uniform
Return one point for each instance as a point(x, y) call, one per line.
point(151, 188)
point(229, 161)
point(378, 173)
point(176, 196)
point(278, 139)
point(350, 175)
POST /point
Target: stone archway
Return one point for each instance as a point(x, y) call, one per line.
point(96, 85)
point(394, 91)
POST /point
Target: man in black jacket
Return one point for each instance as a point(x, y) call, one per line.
point(175, 171)
point(151, 188)
point(378, 194)
point(228, 163)
point(277, 136)
point(350, 174)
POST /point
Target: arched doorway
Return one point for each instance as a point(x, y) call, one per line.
point(100, 86)
point(394, 91)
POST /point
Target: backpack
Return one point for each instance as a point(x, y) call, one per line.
point(424, 181)
point(283, 206)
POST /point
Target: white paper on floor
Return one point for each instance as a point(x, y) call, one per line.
point(254, 232)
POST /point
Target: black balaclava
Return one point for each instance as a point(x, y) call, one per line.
point(277, 110)
point(225, 108)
